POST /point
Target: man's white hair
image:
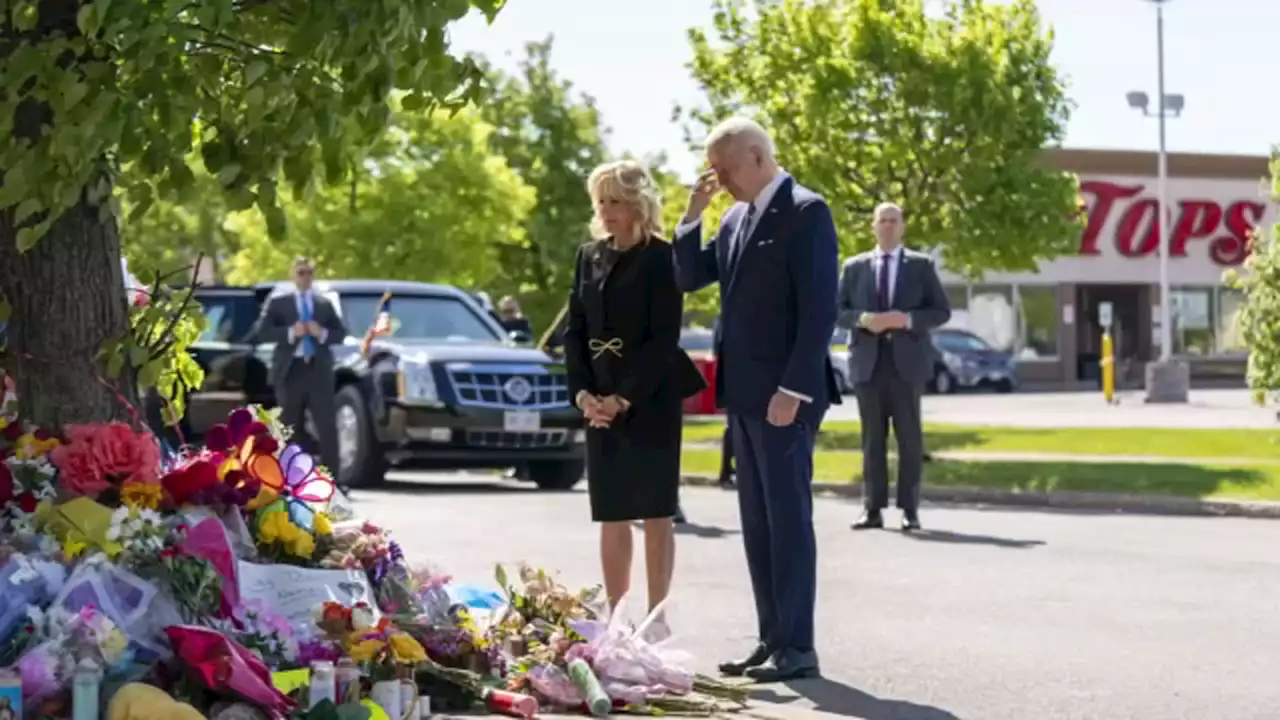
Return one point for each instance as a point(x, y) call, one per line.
point(742, 129)
point(887, 207)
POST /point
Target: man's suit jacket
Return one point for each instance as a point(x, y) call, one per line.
point(281, 313)
point(918, 292)
point(777, 301)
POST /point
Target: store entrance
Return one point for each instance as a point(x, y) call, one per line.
point(1130, 330)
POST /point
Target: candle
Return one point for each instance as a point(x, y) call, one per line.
point(512, 704)
point(598, 702)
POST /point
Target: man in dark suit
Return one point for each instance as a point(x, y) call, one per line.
point(891, 298)
point(775, 258)
point(304, 326)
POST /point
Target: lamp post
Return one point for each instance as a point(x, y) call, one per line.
point(1167, 381)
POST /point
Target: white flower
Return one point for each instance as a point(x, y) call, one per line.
point(362, 618)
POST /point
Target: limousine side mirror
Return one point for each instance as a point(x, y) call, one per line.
point(520, 337)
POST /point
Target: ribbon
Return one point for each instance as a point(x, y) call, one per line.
point(600, 347)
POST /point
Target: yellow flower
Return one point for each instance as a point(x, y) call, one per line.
point(29, 447)
point(141, 495)
point(72, 548)
point(4, 422)
point(365, 650)
point(322, 525)
point(302, 544)
point(273, 527)
point(231, 463)
point(407, 650)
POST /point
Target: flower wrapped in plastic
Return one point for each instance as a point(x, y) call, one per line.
point(132, 603)
point(628, 666)
point(26, 581)
point(224, 666)
point(86, 634)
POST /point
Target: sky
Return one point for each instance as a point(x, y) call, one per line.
point(630, 56)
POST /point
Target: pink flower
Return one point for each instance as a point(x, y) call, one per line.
point(100, 455)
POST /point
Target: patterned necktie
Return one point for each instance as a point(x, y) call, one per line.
point(882, 286)
point(308, 342)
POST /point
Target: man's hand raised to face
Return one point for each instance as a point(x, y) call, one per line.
point(700, 197)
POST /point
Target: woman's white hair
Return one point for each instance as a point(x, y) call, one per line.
point(630, 182)
point(744, 130)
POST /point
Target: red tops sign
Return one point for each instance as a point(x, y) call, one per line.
point(1224, 229)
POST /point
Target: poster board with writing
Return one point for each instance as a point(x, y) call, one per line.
point(296, 592)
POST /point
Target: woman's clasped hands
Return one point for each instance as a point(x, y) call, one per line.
point(600, 410)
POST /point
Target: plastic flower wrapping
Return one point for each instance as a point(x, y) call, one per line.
point(217, 573)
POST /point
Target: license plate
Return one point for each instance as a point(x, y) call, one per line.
point(521, 421)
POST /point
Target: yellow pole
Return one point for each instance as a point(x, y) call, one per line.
point(1108, 368)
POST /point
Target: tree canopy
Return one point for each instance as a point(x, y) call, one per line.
point(872, 101)
point(430, 202)
point(1259, 314)
point(269, 93)
point(553, 138)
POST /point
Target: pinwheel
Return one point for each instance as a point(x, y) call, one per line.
point(293, 475)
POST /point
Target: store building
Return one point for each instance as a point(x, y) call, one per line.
point(1049, 318)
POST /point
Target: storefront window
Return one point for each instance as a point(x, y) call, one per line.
point(1039, 310)
point(1193, 321)
point(1229, 339)
point(993, 317)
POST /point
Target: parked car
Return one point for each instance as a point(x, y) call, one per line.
point(446, 389)
point(840, 359)
point(965, 360)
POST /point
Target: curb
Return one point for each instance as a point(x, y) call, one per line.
point(1111, 502)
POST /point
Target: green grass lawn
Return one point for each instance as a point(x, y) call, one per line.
point(1255, 482)
point(1187, 443)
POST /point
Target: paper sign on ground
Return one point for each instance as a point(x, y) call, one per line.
point(296, 592)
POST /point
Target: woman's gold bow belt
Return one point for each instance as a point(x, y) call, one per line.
point(600, 347)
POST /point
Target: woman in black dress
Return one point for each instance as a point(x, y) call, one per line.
point(628, 374)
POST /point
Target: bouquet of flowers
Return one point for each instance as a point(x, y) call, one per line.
point(381, 647)
point(68, 639)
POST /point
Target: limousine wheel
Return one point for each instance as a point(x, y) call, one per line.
point(359, 462)
point(556, 474)
point(943, 382)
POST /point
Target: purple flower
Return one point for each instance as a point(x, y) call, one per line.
point(313, 650)
point(393, 549)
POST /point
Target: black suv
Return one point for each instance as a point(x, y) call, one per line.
point(446, 389)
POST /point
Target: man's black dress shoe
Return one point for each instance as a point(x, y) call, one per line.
point(786, 665)
point(758, 657)
point(869, 520)
point(910, 522)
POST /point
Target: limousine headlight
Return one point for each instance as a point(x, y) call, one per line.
point(417, 384)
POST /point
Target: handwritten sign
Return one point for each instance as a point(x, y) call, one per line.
point(296, 592)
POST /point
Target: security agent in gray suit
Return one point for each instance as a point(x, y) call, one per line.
point(304, 326)
point(890, 298)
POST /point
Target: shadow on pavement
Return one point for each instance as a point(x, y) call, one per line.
point(829, 696)
point(955, 538)
point(708, 532)
point(429, 487)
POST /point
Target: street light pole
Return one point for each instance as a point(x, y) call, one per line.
point(1162, 181)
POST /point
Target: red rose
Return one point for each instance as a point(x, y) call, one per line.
point(6, 484)
point(186, 481)
point(27, 502)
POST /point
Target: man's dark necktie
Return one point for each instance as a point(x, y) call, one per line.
point(740, 237)
point(882, 286)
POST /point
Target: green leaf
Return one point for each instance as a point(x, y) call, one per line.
point(500, 576)
point(228, 174)
point(29, 236)
point(26, 209)
point(72, 93)
point(5, 310)
point(87, 19)
point(255, 71)
point(115, 363)
point(138, 356)
point(25, 16)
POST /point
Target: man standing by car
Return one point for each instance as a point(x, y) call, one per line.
point(890, 298)
point(304, 326)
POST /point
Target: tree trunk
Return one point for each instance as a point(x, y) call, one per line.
point(68, 300)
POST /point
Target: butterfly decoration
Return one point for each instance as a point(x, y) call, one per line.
point(293, 475)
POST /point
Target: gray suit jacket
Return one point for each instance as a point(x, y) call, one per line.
point(918, 292)
point(278, 315)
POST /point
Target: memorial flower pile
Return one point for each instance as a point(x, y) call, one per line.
point(234, 574)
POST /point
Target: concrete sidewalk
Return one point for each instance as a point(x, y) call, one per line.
point(1048, 457)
